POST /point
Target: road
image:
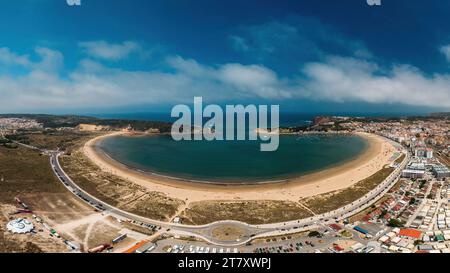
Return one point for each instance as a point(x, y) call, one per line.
point(177, 229)
point(252, 231)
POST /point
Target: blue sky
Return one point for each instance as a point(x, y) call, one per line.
point(306, 55)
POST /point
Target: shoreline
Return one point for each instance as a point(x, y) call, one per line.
point(233, 182)
point(338, 177)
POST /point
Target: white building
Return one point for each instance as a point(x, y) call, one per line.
point(414, 174)
point(20, 226)
point(424, 152)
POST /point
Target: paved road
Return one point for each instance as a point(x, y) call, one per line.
point(202, 232)
point(253, 231)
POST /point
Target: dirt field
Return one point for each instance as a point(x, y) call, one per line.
point(30, 243)
point(28, 175)
point(24, 172)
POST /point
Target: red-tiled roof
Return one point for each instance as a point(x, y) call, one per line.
point(335, 227)
point(413, 233)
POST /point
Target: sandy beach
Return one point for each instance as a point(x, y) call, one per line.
point(378, 154)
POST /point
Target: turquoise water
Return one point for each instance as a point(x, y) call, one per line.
point(233, 161)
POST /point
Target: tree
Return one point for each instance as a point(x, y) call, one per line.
point(395, 223)
point(314, 234)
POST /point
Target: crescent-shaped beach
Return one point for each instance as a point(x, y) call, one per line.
point(379, 154)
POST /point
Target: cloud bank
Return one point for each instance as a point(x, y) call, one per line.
point(41, 85)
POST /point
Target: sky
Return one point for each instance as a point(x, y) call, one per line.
point(108, 56)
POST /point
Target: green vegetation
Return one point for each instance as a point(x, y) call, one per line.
point(314, 234)
point(334, 200)
point(395, 223)
point(7, 143)
point(422, 184)
point(4, 141)
point(400, 159)
point(346, 234)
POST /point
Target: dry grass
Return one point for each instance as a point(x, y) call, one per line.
point(54, 139)
point(117, 191)
point(252, 212)
point(102, 234)
point(400, 159)
point(334, 200)
point(25, 171)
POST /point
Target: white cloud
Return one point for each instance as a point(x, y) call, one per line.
point(9, 58)
point(93, 84)
point(50, 60)
point(253, 79)
point(350, 80)
point(446, 51)
point(239, 43)
point(110, 51)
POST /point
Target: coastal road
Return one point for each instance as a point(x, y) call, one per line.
point(251, 231)
point(202, 231)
